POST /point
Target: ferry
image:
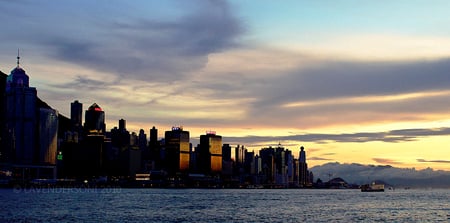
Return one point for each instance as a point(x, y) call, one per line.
point(374, 187)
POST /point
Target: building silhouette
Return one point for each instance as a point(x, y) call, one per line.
point(21, 116)
point(94, 120)
point(303, 168)
point(3, 129)
point(76, 115)
point(30, 143)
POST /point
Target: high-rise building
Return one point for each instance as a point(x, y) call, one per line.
point(94, 120)
point(239, 154)
point(120, 137)
point(76, 114)
point(226, 152)
point(3, 129)
point(154, 150)
point(177, 151)
point(210, 153)
point(48, 135)
point(267, 156)
point(153, 136)
point(21, 117)
point(142, 140)
point(303, 168)
point(122, 124)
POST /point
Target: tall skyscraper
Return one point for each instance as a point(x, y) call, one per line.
point(48, 136)
point(302, 168)
point(120, 137)
point(226, 152)
point(177, 151)
point(94, 120)
point(21, 117)
point(210, 153)
point(3, 129)
point(76, 114)
point(239, 154)
point(122, 125)
point(153, 136)
point(154, 147)
point(142, 141)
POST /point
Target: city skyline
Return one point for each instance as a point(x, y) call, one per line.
point(352, 83)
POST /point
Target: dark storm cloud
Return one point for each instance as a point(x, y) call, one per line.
point(83, 83)
point(157, 49)
point(394, 136)
point(342, 79)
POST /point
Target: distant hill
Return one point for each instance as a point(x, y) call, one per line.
point(398, 177)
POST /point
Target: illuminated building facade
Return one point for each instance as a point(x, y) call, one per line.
point(48, 135)
point(177, 151)
point(210, 153)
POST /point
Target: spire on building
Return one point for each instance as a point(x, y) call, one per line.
point(18, 58)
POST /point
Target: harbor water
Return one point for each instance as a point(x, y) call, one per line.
point(222, 205)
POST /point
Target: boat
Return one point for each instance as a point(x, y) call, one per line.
point(373, 187)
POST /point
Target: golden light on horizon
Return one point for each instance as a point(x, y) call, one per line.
point(367, 99)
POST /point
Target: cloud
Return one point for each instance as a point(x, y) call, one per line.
point(394, 136)
point(319, 158)
point(140, 48)
point(432, 161)
point(386, 161)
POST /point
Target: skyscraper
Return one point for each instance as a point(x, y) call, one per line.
point(76, 114)
point(94, 120)
point(153, 136)
point(210, 153)
point(48, 135)
point(177, 151)
point(142, 140)
point(302, 168)
point(3, 131)
point(21, 117)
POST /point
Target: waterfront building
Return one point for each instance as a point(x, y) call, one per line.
point(303, 168)
point(48, 136)
point(31, 129)
point(3, 129)
point(21, 117)
point(210, 153)
point(227, 163)
point(154, 156)
point(177, 151)
point(268, 164)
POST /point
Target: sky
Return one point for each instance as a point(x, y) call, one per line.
point(351, 81)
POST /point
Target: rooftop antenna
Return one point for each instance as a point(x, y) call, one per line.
point(18, 57)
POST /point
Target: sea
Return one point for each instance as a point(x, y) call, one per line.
point(222, 205)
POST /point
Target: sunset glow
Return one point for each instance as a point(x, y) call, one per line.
point(351, 83)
